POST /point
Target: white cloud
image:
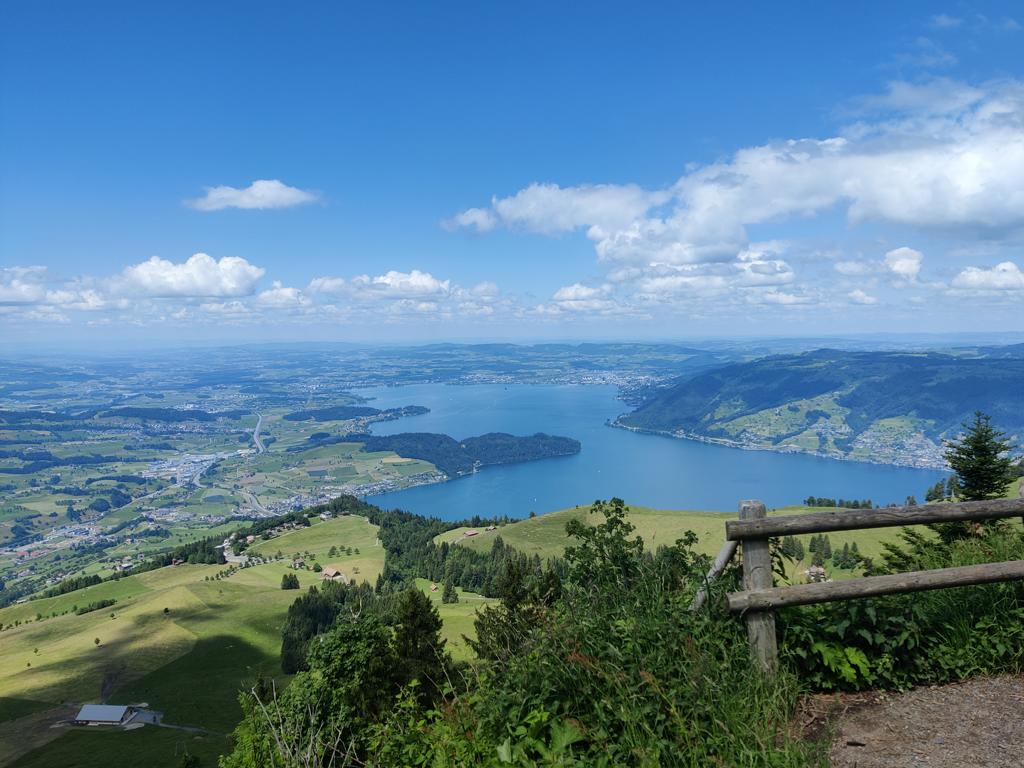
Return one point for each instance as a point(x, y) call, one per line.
point(22, 285)
point(479, 219)
point(780, 297)
point(944, 158)
point(327, 285)
point(1005, 276)
point(280, 297)
point(550, 209)
point(578, 292)
point(855, 268)
point(857, 296)
point(261, 194)
point(397, 285)
point(945, 21)
point(904, 263)
point(200, 275)
point(485, 290)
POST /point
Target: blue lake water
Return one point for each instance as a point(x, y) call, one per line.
point(647, 470)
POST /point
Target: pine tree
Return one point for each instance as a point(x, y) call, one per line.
point(981, 460)
point(826, 548)
point(449, 595)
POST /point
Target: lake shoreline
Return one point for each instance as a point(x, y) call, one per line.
point(727, 443)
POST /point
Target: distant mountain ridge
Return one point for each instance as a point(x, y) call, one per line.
point(889, 407)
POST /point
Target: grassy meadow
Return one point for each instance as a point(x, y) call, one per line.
point(545, 535)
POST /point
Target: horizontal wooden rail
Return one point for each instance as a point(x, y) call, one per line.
point(852, 519)
point(870, 586)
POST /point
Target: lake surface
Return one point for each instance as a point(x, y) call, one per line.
point(646, 470)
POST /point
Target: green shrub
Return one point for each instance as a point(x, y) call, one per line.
point(926, 638)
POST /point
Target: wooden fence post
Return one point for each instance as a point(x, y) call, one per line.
point(757, 574)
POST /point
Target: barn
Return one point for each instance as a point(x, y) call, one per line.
point(103, 714)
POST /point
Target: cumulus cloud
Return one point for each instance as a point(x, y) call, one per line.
point(280, 297)
point(200, 276)
point(398, 285)
point(261, 194)
point(933, 162)
point(22, 285)
point(1005, 276)
point(857, 296)
point(550, 209)
point(904, 263)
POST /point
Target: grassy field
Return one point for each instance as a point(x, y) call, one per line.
point(545, 535)
point(457, 617)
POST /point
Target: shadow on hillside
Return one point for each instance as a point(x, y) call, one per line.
point(198, 688)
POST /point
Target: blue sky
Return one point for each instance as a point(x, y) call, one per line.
point(256, 171)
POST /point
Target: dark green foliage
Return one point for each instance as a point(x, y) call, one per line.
point(449, 595)
point(936, 492)
point(316, 612)
point(981, 460)
point(70, 585)
point(928, 638)
point(95, 606)
point(418, 642)
point(458, 458)
point(290, 581)
point(609, 669)
point(792, 548)
point(823, 501)
point(165, 414)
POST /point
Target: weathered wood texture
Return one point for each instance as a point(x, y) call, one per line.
point(725, 554)
point(757, 575)
point(915, 581)
point(853, 519)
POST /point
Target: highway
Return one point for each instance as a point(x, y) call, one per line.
point(260, 448)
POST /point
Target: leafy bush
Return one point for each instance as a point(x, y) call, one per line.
point(605, 668)
point(928, 638)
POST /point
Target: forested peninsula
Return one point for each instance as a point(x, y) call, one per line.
point(454, 457)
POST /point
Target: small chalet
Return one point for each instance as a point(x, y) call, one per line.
point(471, 532)
point(332, 573)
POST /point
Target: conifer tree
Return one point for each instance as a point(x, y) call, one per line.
point(981, 460)
point(449, 595)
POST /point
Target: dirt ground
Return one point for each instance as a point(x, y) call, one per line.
point(975, 724)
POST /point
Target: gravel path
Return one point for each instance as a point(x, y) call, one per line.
point(975, 724)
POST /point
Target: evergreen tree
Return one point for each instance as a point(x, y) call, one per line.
point(418, 641)
point(449, 595)
point(826, 548)
point(981, 460)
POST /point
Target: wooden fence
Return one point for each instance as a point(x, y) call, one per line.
point(760, 596)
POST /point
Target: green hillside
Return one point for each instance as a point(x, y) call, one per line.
point(545, 535)
point(877, 406)
point(188, 662)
